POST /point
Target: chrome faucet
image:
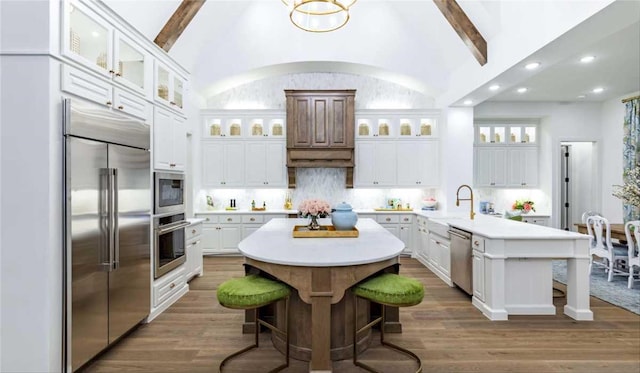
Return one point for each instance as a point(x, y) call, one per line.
point(458, 199)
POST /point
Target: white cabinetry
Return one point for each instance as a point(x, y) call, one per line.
point(421, 250)
point(401, 226)
point(490, 167)
point(169, 141)
point(194, 250)
point(539, 220)
point(440, 255)
point(94, 43)
point(523, 167)
point(506, 156)
point(375, 163)
point(265, 164)
point(477, 244)
point(418, 163)
point(223, 163)
point(167, 290)
point(222, 232)
point(169, 87)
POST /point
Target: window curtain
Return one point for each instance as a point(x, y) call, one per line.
point(631, 150)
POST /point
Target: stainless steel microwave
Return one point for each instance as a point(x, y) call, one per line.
point(169, 193)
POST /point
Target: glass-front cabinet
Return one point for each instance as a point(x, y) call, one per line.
point(397, 124)
point(169, 88)
point(264, 124)
point(89, 40)
point(490, 134)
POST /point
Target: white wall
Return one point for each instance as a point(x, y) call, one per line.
point(31, 215)
point(612, 119)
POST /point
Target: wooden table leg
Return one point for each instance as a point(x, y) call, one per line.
point(320, 295)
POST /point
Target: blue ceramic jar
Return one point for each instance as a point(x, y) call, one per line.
point(343, 218)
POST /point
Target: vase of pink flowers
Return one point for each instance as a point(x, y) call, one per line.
point(314, 209)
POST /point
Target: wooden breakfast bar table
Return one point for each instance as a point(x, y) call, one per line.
point(321, 270)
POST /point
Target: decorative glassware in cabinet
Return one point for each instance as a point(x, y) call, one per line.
point(498, 135)
point(405, 127)
point(529, 135)
point(364, 129)
point(215, 129)
point(426, 127)
point(383, 128)
point(516, 135)
point(256, 128)
point(88, 39)
point(277, 128)
point(163, 83)
point(484, 135)
point(235, 129)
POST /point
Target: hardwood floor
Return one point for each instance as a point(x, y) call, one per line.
point(445, 330)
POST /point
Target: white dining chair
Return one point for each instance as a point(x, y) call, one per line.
point(600, 245)
point(586, 214)
point(632, 231)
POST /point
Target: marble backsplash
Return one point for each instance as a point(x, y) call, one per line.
point(502, 199)
point(313, 183)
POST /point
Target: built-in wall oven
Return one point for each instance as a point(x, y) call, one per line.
point(169, 243)
point(169, 193)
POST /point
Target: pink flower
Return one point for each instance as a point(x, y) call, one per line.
point(527, 207)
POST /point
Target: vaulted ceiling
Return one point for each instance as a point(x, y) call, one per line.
point(408, 42)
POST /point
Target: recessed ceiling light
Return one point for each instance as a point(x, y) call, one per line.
point(522, 90)
point(582, 96)
point(587, 59)
point(494, 87)
point(532, 65)
point(468, 102)
point(598, 90)
point(95, 34)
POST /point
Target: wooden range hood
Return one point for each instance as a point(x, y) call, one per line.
point(320, 131)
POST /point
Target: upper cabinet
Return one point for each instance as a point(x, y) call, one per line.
point(169, 88)
point(94, 43)
point(398, 124)
point(243, 124)
point(169, 141)
point(501, 134)
point(506, 155)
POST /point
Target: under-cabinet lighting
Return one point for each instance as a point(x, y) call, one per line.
point(522, 90)
point(582, 96)
point(532, 65)
point(494, 87)
point(598, 90)
point(587, 59)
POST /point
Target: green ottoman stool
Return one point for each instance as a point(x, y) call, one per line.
point(387, 289)
point(253, 292)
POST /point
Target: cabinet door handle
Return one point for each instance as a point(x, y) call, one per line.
point(171, 103)
point(388, 219)
point(476, 243)
point(118, 74)
point(172, 286)
point(120, 107)
point(109, 103)
point(207, 219)
point(111, 72)
point(172, 164)
point(229, 219)
point(252, 219)
point(193, 231)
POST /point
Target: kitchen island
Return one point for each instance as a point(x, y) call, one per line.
point(512, 267)
point(321, 270)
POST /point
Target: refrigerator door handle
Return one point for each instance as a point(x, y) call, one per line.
point(111, 219)
point(105, 220)
point(116, 225)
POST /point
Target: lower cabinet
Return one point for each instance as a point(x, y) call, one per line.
point(440, 256)
point(401, 226)
point(478, 275)
point(221, 233)
point(544, 221)
point(421, 248)
point(167, 290)
point(194, 250)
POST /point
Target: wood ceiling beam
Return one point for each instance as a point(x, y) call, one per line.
point(465, 28)
point(177, 23)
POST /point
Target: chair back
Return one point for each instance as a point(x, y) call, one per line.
point(586, 214)
point(599, 232)
point(632, 231)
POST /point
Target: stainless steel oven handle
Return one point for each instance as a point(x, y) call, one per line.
point(172, 227)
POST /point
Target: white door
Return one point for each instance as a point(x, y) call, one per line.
point(179, 157)
point(276, 170)
point(255, 161)
point(385, 163)
point(162, 139)
point(230, 237)
point(409, 163)
point(233, 164)
point(365, 164)
point(212, 164)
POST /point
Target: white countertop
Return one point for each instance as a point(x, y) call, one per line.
point(497, 228)
point(274, 243)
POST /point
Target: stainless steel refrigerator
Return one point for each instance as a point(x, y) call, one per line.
point(107, 223)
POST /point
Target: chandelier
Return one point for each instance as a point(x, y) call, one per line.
point(319, 15)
